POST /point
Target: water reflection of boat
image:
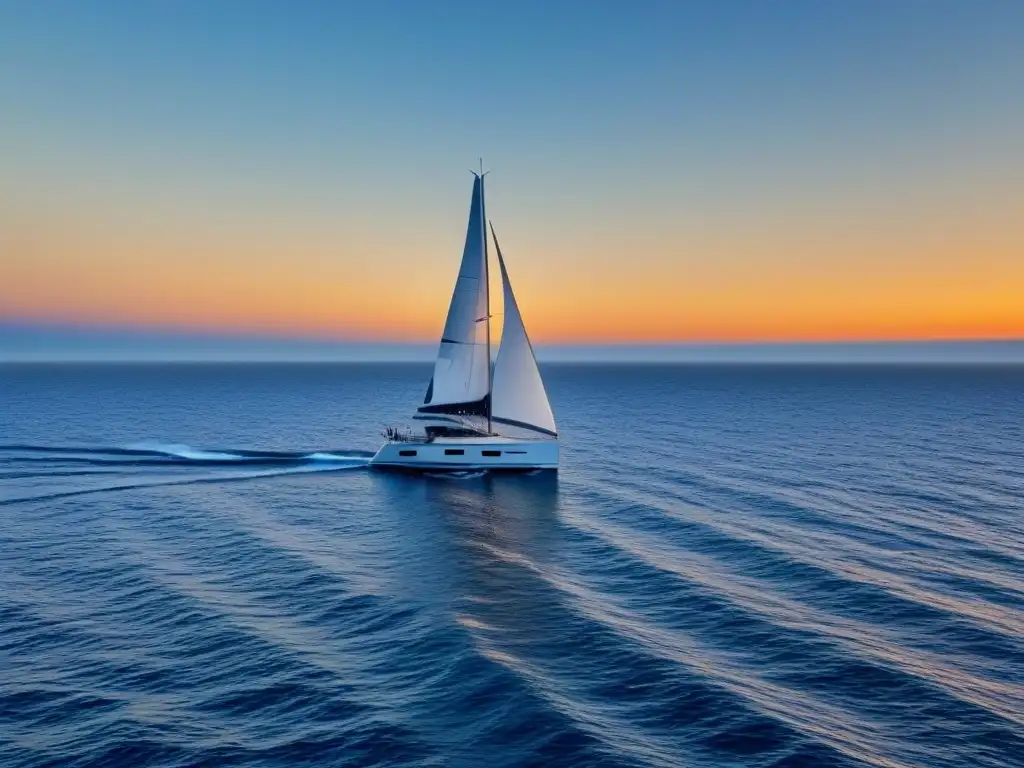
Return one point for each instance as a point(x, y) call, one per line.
point(477, 541)
point(504, 535)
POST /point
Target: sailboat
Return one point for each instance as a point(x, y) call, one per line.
point(477, 415)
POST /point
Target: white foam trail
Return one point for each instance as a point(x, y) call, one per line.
point(334, 457)
point(185, 452)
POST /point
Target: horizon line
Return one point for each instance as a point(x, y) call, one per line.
point(781, 363)
point(135, 348)
point(202, 333)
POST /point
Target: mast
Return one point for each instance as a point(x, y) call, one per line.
point(487, 292)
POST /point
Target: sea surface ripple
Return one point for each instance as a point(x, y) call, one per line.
point(735, 566)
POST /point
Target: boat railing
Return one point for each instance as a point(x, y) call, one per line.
point(403, 435)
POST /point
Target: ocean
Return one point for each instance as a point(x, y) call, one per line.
point(734, 566)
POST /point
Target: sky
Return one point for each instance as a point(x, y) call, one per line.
point(661, 172)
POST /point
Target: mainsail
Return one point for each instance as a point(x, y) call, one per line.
point(518, 398)
point(461, 380)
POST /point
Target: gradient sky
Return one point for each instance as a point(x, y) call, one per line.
point(662, 171)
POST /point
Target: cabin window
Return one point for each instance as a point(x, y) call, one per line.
point(515, 451)
point(407, 453)
point(454, 452)
point(490, 453)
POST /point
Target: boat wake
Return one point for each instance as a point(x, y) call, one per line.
point(167, 454)
point(40, 473)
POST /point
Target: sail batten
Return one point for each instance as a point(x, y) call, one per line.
point(518, 397)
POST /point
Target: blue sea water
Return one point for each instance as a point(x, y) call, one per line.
point(735, 566)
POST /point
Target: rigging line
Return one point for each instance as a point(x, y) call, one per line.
point(487, 289)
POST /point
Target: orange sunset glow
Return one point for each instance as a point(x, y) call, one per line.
point(719, 288)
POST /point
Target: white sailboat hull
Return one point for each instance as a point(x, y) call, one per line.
point(464, 453)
